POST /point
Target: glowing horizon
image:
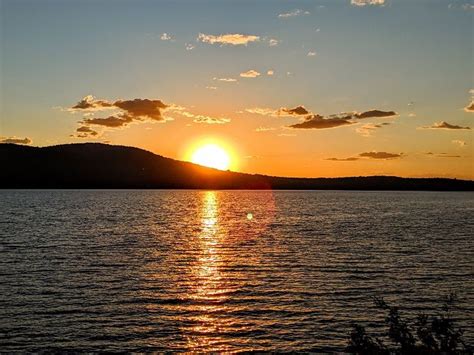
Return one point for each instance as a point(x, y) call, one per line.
point(302, 89)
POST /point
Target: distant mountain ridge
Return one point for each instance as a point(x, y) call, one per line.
point(96, 165)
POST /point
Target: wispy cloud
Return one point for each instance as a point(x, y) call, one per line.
point(444, 125)
point(198, 118)
point(227, 80)
point(263, 111)
point(189, 46)
point(230, 38)
point(270, 72)
point(311, 54)
point(15, 140)
point(264, 129)
point(370, 156)
point(367, 2)
point(367, 130)
point(293, 13)
point(459, 142)
point(250, 74)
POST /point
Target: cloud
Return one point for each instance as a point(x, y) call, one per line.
point(227, 80)
point(201, 118)
point(85, 132)
point(375, 113)
point(211, 87)
point(380, 155)
point(293, 13)
point(311, 54)
point(343, 159)
point(250, 74)
point(470, 107)
point(142, 108)
point(369, 155)
point(319, 122)
point(459, 142)
point(444, 125)
point(273, 42)
point(89, 103)
point(234, 39)
point(270, 72)
point(283, 111)
point(316, 121)
point(264, 129)
point(166, 37)
point(298, 110)
point(111, 121)
point(461, 6)
point(15, 140)
point(210, 120)
point(262, 111)
point(189, 46)
point(368, 129)
point(367, 2)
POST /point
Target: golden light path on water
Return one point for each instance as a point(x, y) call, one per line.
point(210, 286)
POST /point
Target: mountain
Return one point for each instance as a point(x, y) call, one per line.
point(94, 165)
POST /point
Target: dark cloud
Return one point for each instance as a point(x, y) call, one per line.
point(444, 125)
point(129, 111)
point(85, 132)
point(298, 110)
point(142, 108)
point(319, 122)
point(380, 155)
point(139, 109)
point(15, 140)
point(374, 114)
point(111, 121)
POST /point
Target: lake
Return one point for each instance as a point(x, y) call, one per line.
point(156, 270)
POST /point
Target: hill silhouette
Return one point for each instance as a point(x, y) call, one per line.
point(95, 165)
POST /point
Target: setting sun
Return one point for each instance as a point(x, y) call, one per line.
point(212, 156)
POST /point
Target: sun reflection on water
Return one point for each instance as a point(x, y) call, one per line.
point(210, 289)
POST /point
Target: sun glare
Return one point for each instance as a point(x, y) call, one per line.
point(212, 156)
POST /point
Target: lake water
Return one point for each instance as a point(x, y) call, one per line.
point(224, 270)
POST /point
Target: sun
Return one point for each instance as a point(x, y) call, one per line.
point(212, 156)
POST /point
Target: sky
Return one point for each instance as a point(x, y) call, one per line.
point(292, 88)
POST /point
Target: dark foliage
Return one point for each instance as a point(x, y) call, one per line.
point(94, 165)
point(425, 335)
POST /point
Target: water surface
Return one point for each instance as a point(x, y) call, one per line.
point(224, 270)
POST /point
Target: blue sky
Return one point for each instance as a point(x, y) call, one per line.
point(411, 57)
